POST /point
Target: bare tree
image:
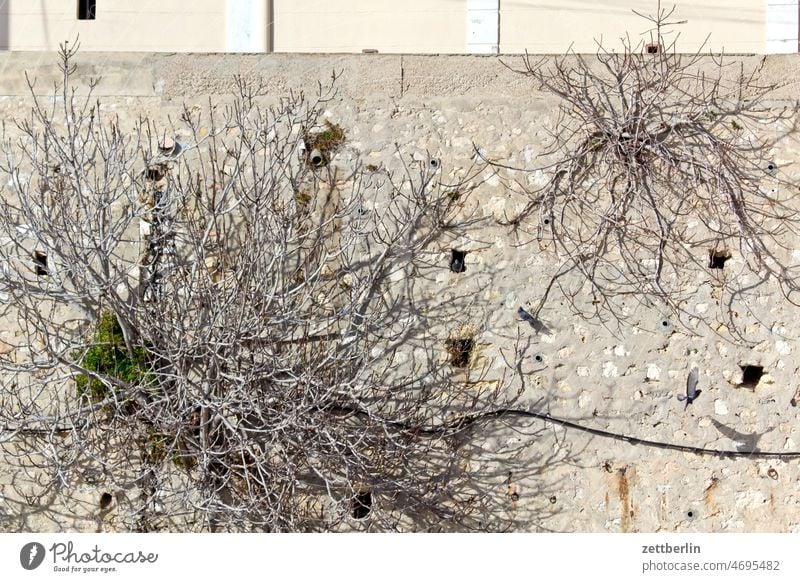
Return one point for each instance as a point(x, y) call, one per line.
point(215, 312)
point(658, 161)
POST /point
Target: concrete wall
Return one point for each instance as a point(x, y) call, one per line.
point(413, 26)
point(622, 380)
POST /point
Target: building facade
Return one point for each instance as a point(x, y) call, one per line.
point(387, 26)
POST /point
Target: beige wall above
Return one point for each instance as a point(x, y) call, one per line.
point(551, 27)
point(120, 25)
point(388, 26)
point(412, 26)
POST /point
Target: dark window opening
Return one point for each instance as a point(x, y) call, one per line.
point(87, 9)
point(751, 375)
point(457, 259)
point(40, 263)
point(716, 259)
point(460, 350)
point(362, 504)
point(652, 49)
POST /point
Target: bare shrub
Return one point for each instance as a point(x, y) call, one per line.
point(220, 323)
point(657, 159)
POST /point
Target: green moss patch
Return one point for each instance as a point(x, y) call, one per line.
point(109, 357)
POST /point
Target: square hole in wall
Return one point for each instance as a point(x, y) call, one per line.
point(457, 261)
point(716, 259)
point(751, 375)
point(460, 351)
point(87, 9)
point(155, 173)
point(40, 263)
point(361, 505)
point(652, 48)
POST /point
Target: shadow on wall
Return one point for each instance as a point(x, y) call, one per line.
point(5, 9)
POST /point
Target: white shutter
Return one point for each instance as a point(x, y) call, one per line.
point(483, 26)
point(782, 22)
point(246, 26)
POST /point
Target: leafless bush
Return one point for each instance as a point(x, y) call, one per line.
point(659, 161)
point(216, 320)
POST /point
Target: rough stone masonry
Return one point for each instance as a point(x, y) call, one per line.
point(547, 476)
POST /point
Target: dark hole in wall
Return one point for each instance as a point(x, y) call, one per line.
point(154, 174)
point(105, 500)
point(362, 504)
point(460, 350)
point(40, 263)
point(716, 259)
point(652, 49)
point(751, 375)
point(690, 513)
point(458, 261)
point(87, 9)
point(316, 159)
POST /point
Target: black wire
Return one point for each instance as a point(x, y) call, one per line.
point(467, 421)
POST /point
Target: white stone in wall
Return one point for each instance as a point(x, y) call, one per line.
point(653, 373)
point(610, 370)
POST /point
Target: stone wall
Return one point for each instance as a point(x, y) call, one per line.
point(622, 379)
